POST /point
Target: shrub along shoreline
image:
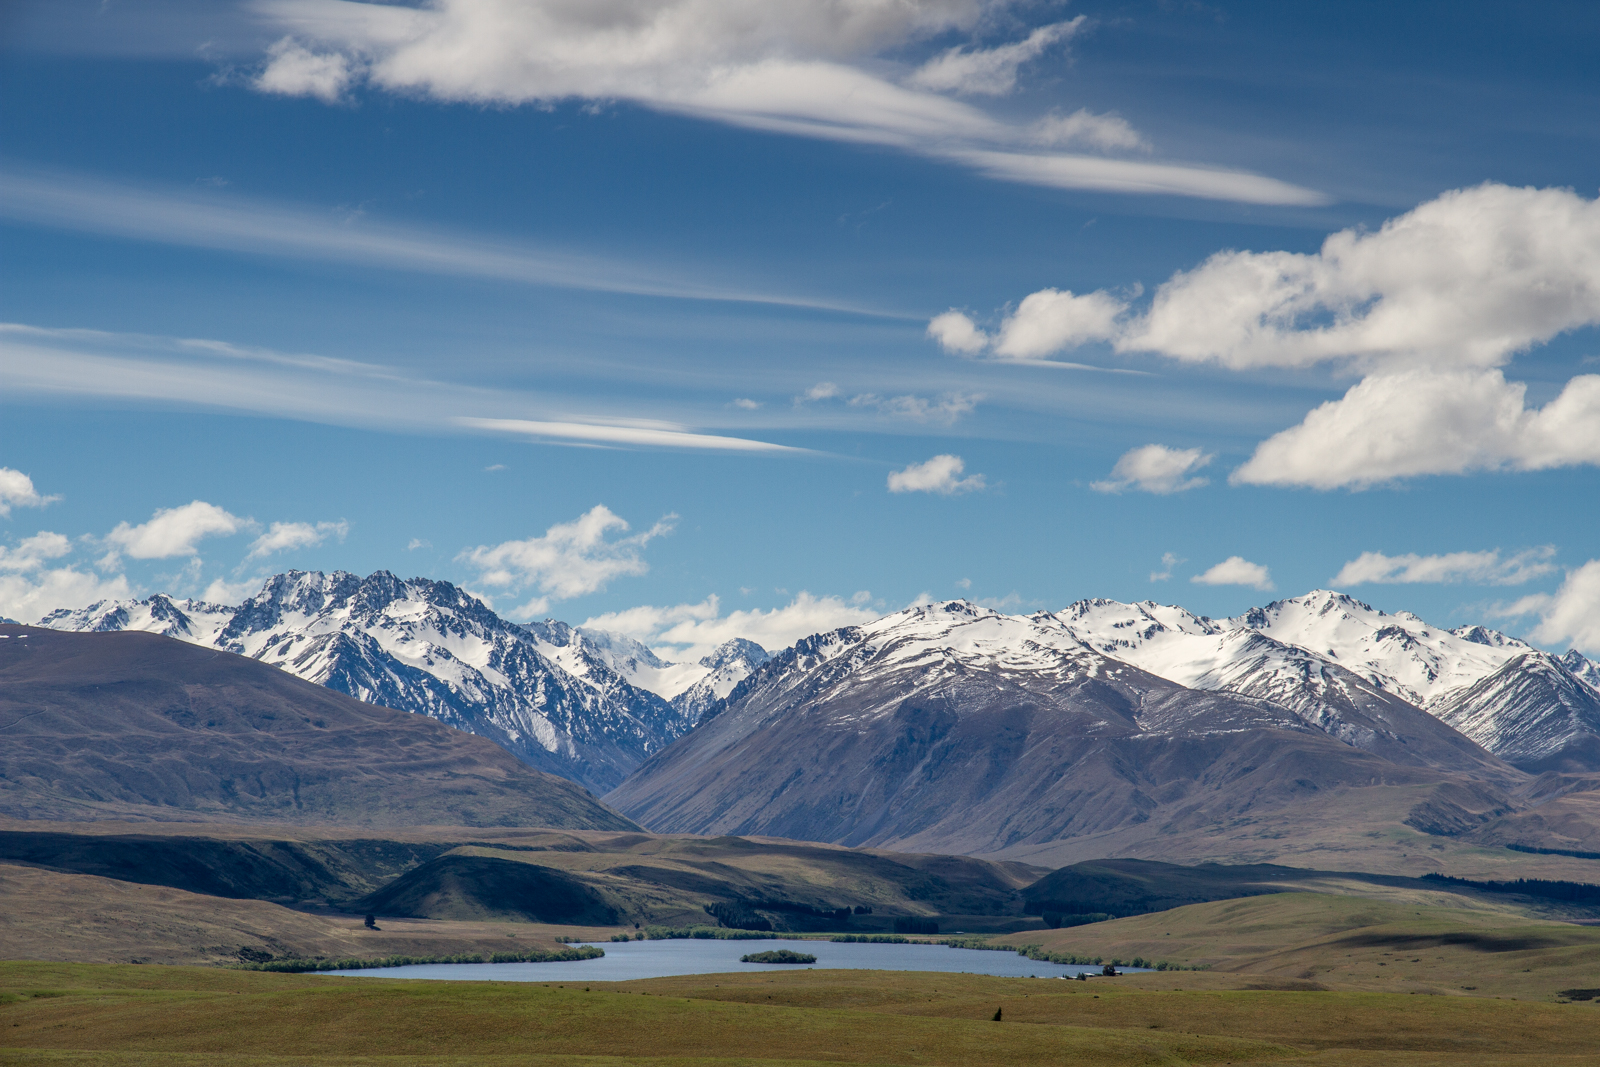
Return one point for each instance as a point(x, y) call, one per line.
point(303, 966)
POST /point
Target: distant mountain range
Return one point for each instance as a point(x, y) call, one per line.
point(589, 706)
point(951, 727)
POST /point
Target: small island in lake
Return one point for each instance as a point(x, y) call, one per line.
point(781, 955)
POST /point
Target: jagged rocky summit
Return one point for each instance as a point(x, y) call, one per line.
point(587, 705)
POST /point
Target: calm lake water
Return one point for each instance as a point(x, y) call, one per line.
point(626, 960)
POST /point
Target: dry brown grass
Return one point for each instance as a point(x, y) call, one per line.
point(1347, 943)
point(85, 919)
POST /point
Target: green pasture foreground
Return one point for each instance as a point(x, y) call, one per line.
point(131, 1016)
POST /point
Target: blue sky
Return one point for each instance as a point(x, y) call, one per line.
point(340, 285)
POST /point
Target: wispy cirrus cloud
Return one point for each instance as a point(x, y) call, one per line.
point(214, 374)
point(643, 433)
point(807, 70)
point(945, 408)
point(212, 219)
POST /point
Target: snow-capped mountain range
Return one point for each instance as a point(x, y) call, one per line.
point(1390, 684)
point(1320, 652)
point(953, 728)
point(592, 705)
point(587, 705)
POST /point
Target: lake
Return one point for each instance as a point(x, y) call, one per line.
point(627, 960)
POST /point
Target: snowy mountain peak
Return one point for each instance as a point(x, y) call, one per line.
point(721, 672)
point(619, 649)
point(1480, 635)
point(736, 651)
point(1582, 668)
point(189, 620)
point(1400, 653)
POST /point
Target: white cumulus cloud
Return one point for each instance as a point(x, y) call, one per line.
point(941, 474)
point(1429, 307)
point(1053, 319)
point(1392, 426)
point(571, 559)
point(1464, 280)
point(30, 588)
point(1046, 322)
point(17, 491)
point(294, 70)
point(690, 631)
point(283, 536)
point(1570, 615)
point(1155, 469)
point(1480, 568)
point(33, 552)
point(29, 596)
point(174, 531)
point(956, 332)
point(1236, 570)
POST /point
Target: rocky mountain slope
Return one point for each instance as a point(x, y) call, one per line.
point(950, 727)
point(140, 727)
point(585, 705)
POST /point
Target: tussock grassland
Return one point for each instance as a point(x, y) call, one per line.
point(127, 1015)
point(1348, 943)
point(81, 918)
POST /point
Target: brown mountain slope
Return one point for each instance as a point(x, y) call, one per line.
point(133, 725)
point(903, 740)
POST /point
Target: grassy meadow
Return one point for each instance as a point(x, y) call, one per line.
point(1322, 940)
point(129, 1015)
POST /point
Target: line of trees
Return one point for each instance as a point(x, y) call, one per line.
point(1567, 892)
